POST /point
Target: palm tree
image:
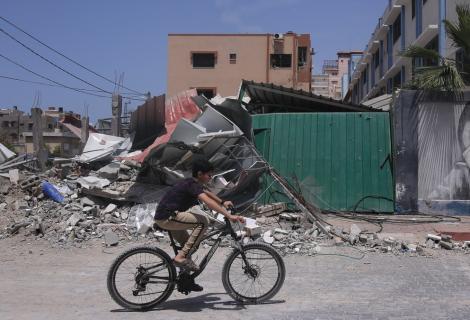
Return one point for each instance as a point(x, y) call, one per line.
point(447, 74)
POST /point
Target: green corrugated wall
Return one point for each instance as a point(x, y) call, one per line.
point(341, 153)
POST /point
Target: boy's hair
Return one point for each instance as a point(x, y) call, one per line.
point(203, 166)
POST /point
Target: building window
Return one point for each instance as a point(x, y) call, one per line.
point(30, 126)
point(413, 8)
point(424, 1)
point(302, 56)
point(376, 59)
point(281, 60)
point(49, 126)
point(203, 59)
point(232, 58)
point(209, 93)
point(432, 45)
point(396, 82)
point(397, 28)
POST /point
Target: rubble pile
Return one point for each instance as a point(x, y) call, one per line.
point(290, 233)
point(88, 209)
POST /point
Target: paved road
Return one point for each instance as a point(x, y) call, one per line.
point(70, 284)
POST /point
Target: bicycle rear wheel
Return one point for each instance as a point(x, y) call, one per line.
point(141, 278)
point(257, 280)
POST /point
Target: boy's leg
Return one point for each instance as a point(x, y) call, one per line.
point(182, 222)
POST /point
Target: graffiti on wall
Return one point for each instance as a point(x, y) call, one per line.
point(444, 151)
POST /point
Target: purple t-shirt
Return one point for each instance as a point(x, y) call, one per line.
point(180, 197)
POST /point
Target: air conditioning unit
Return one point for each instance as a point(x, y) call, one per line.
point(278, 36)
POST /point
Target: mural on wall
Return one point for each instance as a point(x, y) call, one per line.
point(444, 151)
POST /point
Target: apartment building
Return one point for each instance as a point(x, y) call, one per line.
point(61, 130)
point(216, 63)
point(334, 80)
point(381, 69)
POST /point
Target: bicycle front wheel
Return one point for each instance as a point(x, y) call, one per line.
point(256, 280)
point(141, 278)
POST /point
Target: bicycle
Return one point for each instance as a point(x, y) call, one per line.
point(259, 267)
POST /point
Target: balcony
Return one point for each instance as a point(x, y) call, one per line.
point(429, 32)
point(391, 14)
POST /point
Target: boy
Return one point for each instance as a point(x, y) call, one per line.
point(172, 212)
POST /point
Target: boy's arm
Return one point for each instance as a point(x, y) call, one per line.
point(218, 200)
point(212, 204)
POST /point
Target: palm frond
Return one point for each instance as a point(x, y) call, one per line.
point(459, 31)
point(445, 77)
point(420, 52)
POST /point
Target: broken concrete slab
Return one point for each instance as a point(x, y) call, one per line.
point(87, 202)
point(91, 182)
point(109, 208)
point(110, 171)
point(74, 219)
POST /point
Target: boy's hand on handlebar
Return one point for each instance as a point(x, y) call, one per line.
point(227, 204)
point(233, 218)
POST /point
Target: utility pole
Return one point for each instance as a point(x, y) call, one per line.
point(84, 131)
point(116, 108)
point(39, 149)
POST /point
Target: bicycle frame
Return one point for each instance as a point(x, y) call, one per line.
point(223, 231)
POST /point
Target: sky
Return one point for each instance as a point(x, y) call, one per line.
point(129, 37)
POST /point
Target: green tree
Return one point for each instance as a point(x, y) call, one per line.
point(446, 74)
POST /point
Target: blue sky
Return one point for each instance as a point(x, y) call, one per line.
point(130, 37)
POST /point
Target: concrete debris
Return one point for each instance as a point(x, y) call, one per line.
point(111, 238)
point(273, 209)
point(446, 245)
point(109, 208)
point(267, 237)
point(14, 175)
point(141, 217)
point(91, 182)
point(434, 237)
point(110, 172)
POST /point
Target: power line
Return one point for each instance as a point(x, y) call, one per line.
point(52, 63)
point(48, 79)
point(64, 56)
point(43, 83)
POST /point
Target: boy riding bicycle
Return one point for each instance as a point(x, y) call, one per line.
point(173, 212)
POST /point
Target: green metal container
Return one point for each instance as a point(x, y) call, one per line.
point(339, 157)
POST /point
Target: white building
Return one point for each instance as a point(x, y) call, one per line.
point(403, 23)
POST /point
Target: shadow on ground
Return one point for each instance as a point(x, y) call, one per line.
point(200, 303)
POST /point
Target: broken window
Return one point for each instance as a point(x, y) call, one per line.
point(396, 82)
point(209, 93)
point(302, 56)
point(233, 58)
point(281, 60)
point(203, 60)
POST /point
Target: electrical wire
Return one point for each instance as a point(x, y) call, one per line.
point(48, 79)
point(69, 59)
point(52, 63)
point(43, 83)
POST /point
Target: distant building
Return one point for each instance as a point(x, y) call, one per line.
point(216, 63)
point(61, 131)
point(404, 22)
point(333, 81)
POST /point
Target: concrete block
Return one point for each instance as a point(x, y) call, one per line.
point(252, 230)
point(85, 201)
point(433, 237)
point(111, 238)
